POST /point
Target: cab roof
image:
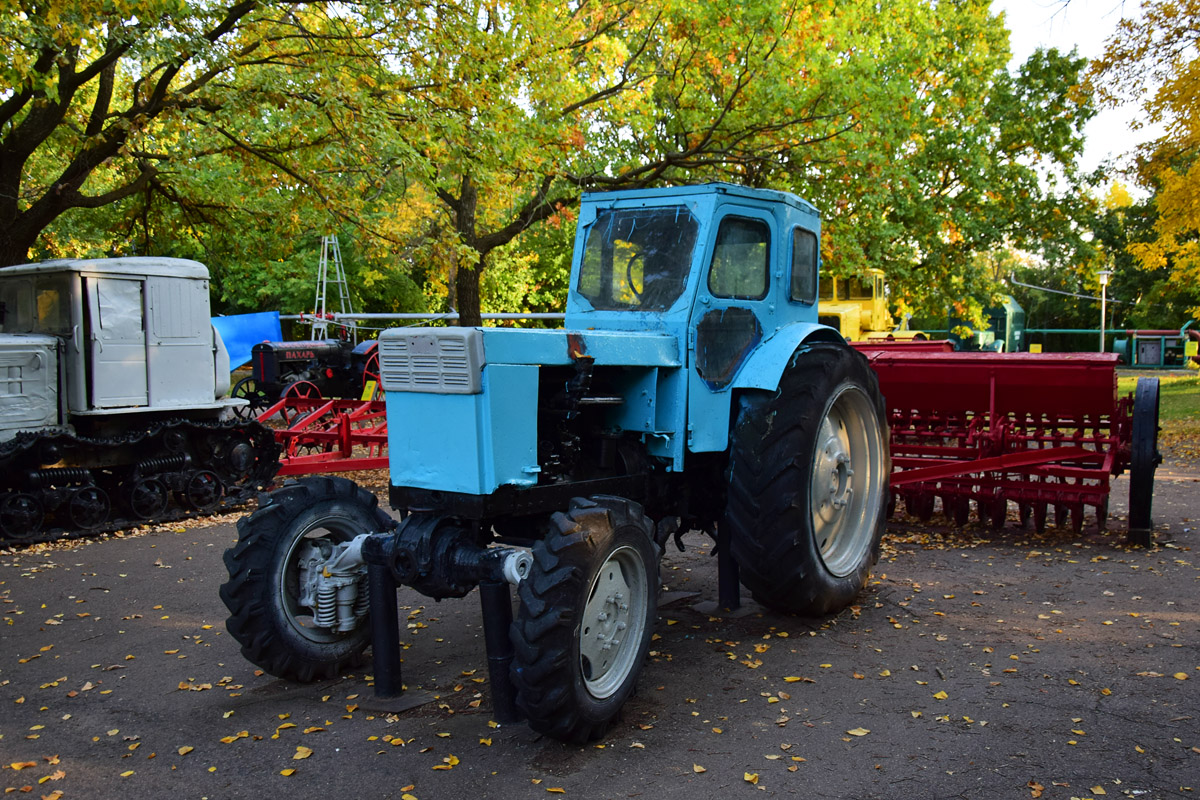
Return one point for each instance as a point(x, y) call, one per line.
point(134, 266)
point(730, 189)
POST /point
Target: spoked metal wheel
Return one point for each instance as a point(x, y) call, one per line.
point(21, 516)
point(614, 621)
point(88, 507)
point(203, 490)
point(248, 389)
point(300, 391)
point(148, 498)
point(846, 490)
point(1144, 460)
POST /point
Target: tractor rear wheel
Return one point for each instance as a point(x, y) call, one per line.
point(295, 526)
point(586, 617)
point(808, 483)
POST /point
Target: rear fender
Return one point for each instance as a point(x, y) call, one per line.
point(764, 367)
point(761, 371)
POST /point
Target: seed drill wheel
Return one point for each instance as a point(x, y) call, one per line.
point(1144, 459)
point(586, 616)
point(300, 521)
point(808, 483)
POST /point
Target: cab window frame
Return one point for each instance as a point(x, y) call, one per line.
point(812, 267)
point(765, 228)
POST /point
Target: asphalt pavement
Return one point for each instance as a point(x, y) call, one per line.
point(977, 664)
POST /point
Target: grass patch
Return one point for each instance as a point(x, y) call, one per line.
point(1178, 396)
point(1178, 414)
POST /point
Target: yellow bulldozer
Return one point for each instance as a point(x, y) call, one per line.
point(858, 308)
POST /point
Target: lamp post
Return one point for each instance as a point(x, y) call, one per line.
point(1103, 276)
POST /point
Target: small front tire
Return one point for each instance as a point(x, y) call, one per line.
point(586, 618)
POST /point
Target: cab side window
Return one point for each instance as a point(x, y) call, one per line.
point(804, 266)
point(740, 260)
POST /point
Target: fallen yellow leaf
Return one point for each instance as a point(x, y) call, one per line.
point(287, 773)
point(126, 773)
point(750, 777)
point(302, 752)
point(696, 768)
point(183, 751)
point(941, 695)
point(556, 790)
point(1183, 676)
point(858, 732)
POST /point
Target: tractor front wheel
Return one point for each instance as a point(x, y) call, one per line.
point(586, 617)
point(808, 483)
point(294, 530)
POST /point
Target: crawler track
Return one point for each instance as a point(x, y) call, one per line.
point(59, 485)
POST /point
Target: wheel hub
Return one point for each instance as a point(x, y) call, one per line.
point(612, 622)
point(845, 490)
point(835, 465)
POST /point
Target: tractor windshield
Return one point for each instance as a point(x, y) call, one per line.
point(637, 259)
point(38, 303)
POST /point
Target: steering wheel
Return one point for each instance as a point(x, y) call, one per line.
point(629, 275)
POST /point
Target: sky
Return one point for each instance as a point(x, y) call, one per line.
point(1085, 25)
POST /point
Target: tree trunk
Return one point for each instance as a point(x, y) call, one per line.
point(15, 244)
point(469, 315)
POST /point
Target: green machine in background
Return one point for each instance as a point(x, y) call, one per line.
point(1005, 331)
point(1159, 349)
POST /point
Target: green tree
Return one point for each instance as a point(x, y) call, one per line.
point(103, 102)
point(619, 94)
point(1155, 60)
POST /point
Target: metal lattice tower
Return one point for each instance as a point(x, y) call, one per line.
point(331, 254)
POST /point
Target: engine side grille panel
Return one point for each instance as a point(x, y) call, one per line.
point(434, 360)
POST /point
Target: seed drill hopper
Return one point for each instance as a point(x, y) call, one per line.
point(1045, 432)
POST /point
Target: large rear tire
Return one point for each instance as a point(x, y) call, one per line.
point(263, 591)
point(808, 483)
point(586, 617)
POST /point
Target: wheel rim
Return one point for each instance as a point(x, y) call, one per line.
point(614, 620)
point(313, 542)
point(846, 481)
point(203, 490)
point(88, 507)
point(20, 516)
point(148, 498)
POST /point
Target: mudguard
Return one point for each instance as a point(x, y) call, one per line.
point(764, 367)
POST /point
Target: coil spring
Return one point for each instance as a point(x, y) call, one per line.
point(163, 464)
point(362, 603)
point(325, 614)
point(57, 476)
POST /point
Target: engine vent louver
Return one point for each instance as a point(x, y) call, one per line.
point(431, 360)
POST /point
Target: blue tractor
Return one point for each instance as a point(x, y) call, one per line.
point(692, 389)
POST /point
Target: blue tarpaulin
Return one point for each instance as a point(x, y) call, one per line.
point(241, 332)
